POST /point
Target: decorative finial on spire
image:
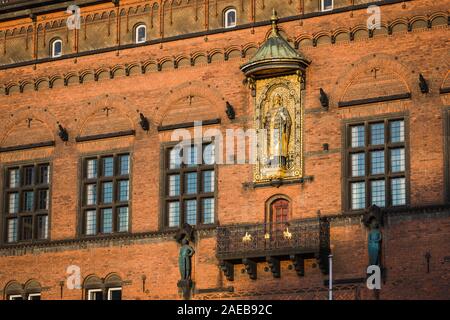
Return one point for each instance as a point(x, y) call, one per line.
point(274, 20)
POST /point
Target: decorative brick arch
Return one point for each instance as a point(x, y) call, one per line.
point(48, 120)
point(345, 79)
point(214, 98)
point(113, 102)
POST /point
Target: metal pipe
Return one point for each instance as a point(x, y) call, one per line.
point(330, 277)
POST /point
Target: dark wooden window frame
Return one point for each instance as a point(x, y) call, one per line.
point(165, 198)
point(115, 204)
point(347, 150)
point(35, 187)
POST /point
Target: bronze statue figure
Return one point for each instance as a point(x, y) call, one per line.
point(184, 260)
point(374, 243)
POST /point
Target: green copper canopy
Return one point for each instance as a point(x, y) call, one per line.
point(275, 56)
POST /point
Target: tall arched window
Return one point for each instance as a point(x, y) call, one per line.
point(140, 33)
point(277, 215)
point(230, 18)
point(56, 48)
point(108, 289)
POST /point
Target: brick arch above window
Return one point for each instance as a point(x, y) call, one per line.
point(106, 115)
point(359, 82)
point(28, 127)
point(205, 103)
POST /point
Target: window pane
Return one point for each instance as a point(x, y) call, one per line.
point(192, 156)
point(174, 185)
point(175, 158)
point(91, 194)
point(397, 131)
point(108, 167)
point(357, 139)
point(123, 219)
point(12, 230)
point(91, 169)
point(42, 225)
point(28, 201)
point(377, 133)
point(27, 228)
point(44, 174)
point(28, 173)
point(358, 195)
point(398, 192)
point(377, 162)
point(191, 212)
point(43, 200)
point(358, 165)
point(378, 193)
point(124, 164)
point(208, 210)
point(91, 222)
point(174, 214)
point(14, 178)
point(34, 297)
point(13, 204)
point(57, 48)
point(231, 18)
point(107, 220)
point(208, 181)
point(327, 4)
point(107, 192)
point(209, 154)
point(123, 190)
point(398, 160)
point(191, 183)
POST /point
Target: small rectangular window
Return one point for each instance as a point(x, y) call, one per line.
point(174, 214)
point(208, 211)
point(377, 133)
point(377, 162)
point(358, 195)
point(358, 136)
point(191, 212)
point(124, 164)
point(358, 164)
point(34, 296)
point(13, 203)
point(107, 192)
point(44, 174)
point(27, 228)
point(326, 5)
point(28, 201)
point(378, 193)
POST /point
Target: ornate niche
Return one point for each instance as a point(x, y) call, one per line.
point(276, 76)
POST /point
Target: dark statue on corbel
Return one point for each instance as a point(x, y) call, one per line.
point(423, 84)
point(185, 261)
point(231, 114)
point(62, 133)
point(324, 101)
point(145, 125)
point(373, 220)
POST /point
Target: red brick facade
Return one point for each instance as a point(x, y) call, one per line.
point(183, 80)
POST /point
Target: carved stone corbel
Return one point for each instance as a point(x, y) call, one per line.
point(274, 265)
point(299, 264)
point(228, 270)
point(250, 267)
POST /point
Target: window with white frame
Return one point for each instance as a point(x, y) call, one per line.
point(230, 18)
point(326, 5)
point(56, 48)
point(95, 294)
point(15, 297)
point(34, 296)
point(140, 34)
point(115, 294)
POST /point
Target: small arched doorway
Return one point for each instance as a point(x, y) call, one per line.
point(277, 217)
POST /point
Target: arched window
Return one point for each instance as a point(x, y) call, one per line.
point(140, 33)
point(30, 291)
point(56, 48)
point(277, 215)
point(108, 289)
point(230, 18)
